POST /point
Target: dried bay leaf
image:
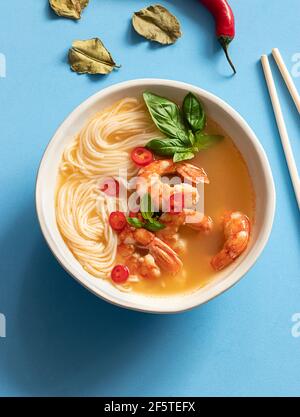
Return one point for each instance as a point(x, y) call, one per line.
point(68, 8)
point(156, 23)
point(90, 57)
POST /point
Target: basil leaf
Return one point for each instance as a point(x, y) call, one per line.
point(193, 112)
point(167, 116)
point(191, 137)
point(151, 224)
point(182, 156)
point(146, 207)
point(91, 57)
point(68, 8)
point(204, 141)
point(156, 23)
point(154, 225)
point(165, 146)
point(135, 222)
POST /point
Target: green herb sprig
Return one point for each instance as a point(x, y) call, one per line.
point(183, 127)
point(150, 221)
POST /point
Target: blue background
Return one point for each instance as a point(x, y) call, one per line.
point(62, 340)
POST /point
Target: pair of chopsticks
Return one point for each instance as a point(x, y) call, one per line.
point(279, 116)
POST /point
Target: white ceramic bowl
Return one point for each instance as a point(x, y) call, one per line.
point(245, 140)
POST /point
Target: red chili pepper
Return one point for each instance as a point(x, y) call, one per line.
point(120, 274)
point(141, 156)
point(117, 220)
point(225, 27)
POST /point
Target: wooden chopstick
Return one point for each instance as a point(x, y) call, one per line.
point(287, 77)
point(282, 128)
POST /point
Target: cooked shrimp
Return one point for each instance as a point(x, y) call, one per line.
point(145, 266)
point(126, 249)
point(148, 267)
point(165, 257)
point(161, 255)
point(237, 233)
point(149, 180)
point(173, 221)
point(197, 221)
point(192, 173)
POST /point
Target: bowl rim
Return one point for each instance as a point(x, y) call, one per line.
point(238, 273)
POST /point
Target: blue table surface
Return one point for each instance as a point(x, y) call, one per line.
point(62, 340)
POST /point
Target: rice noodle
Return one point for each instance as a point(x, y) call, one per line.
point(101, 149)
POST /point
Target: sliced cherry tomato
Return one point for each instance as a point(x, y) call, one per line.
point(177, 203)
point(120, 274)
point(117, 220)
point(141, 156)
point(110, 187)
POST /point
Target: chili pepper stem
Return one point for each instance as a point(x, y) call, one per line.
point(224, 41)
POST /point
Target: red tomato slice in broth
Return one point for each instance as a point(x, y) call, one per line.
point(142, 156)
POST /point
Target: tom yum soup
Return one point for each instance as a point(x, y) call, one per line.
point(154, 197)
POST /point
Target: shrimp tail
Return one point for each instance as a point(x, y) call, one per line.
point(221, 260)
